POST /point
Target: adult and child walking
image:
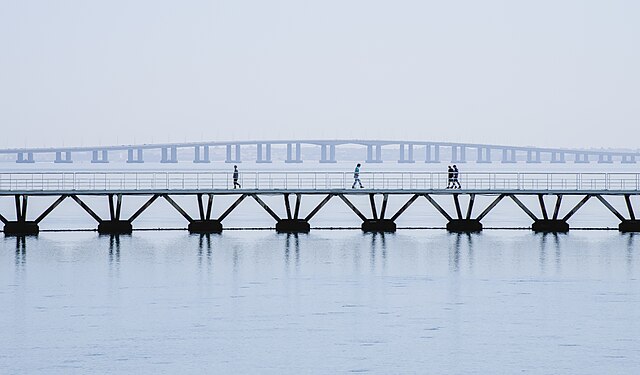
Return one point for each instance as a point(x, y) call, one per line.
point(452, 178)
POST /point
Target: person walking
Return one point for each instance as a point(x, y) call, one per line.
point(236, 174)
point(449, 177)
point(356, 177)
point(456, 182)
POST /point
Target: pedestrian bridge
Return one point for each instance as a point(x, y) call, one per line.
point(379, 187)
point(324, 151)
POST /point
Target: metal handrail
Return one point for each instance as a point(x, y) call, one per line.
point(280, 180)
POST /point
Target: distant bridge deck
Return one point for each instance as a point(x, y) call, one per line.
point(407, 151)
point(414, 185)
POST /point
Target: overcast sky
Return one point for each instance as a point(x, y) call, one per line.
point(548, 73)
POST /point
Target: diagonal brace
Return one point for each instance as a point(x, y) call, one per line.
point(576, 208)
point(490, 207)
point(177, 207)
point(265, 206)
point(232, 207)
point(50, 208)
point(523, 207)
point(438, 207)
point(610, 207)
point(318, 207)
point(352, 207)
point(86, 208)
point(404, 207)
point(144, 207)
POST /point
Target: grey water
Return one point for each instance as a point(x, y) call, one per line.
point(257, 302)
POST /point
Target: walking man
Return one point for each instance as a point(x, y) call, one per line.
point(236, 174)
point(356, 177)
point(456, 183)
point(449, 177)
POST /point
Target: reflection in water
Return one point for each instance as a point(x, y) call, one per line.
point(296, 249)
point(114, 249)
point(374, 249)
point(21, 252)
point(630, 241)
point(454, 254)
point(204, 241)
point(543, 250)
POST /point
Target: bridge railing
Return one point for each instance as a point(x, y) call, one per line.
point(262, 180)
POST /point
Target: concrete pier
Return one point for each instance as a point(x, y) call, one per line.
point(550, 226)
point(115, 227)
point(379, 225)
point(205, 226)
point(21, 228)
point(464, 226)
point(293, 226)
point(629, 226)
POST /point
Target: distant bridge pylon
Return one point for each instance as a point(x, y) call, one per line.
point(297, 151)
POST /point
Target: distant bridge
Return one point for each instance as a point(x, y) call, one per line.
point(236, 151)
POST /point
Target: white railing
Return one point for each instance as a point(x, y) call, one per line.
point(88, 181)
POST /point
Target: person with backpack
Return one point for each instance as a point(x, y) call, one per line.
point(356, 177)
point(236, 175)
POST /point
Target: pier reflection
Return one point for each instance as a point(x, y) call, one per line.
point(378, 245)
point(292, 242)
point(204, 250)
point(455, 251)
point(21, 252)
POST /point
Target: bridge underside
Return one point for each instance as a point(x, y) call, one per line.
point(460, 219)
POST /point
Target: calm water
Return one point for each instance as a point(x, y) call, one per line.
point(418, 301)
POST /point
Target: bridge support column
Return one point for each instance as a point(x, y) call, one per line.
point(557, 157)
point(205, 226)
point(406, 157)
point(21, 226)
point(432, 154)
point(508, 155)
point(115, 226)
point(99, 156)
point(328, 157)
point(458, 154)
point(371, 158)
point(263, 153)
point(605, 159)
point(233, 154)
point(484, 155)
point(550, 226)
point(464, 226)
point(581, 158)
point(22, 159)
point(61, 159)
point(169, 155)
point(533, 156)
point(201, 157)
point(293, 153)
point(628, 159)
point(134, 155)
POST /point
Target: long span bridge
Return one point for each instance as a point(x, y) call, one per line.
point(380, 188)
point(294, 151)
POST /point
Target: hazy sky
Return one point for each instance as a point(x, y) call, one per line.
point(553, 73)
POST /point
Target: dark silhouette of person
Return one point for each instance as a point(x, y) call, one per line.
point(456, 182)
point(356, 177)
point(236, 174)
point(449, 177)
